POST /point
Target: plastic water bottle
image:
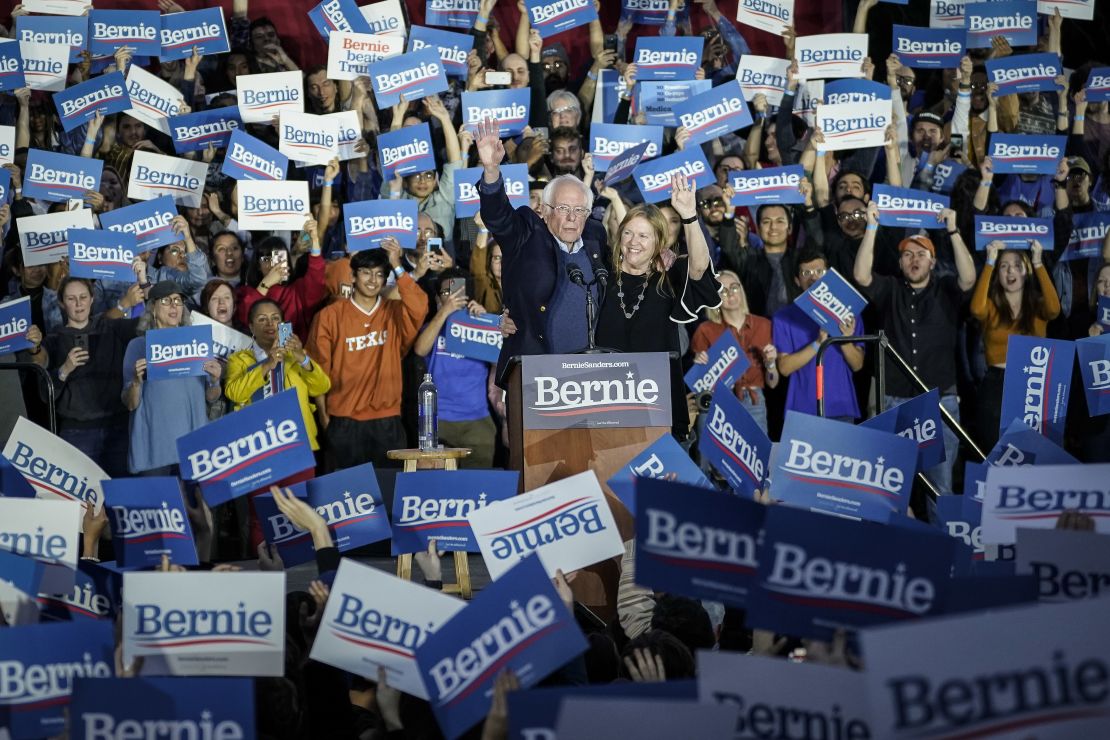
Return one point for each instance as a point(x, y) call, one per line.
point(428, 402)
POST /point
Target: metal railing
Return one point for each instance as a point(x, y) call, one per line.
point(46, 381)
point(879, 338)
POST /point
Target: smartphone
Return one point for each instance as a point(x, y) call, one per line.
point(498, 78)
point(285, 330)
point(435, 244)
point(956, 143)
point(610, 42)
point(542, 132)
point(457, 284)
point(82, 341)
point(280, 258)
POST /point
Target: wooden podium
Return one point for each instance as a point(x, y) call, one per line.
point(546, 455)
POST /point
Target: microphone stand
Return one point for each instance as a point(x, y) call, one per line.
point(591, 321)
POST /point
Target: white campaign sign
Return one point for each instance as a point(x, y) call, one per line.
point(374, 619)
point(45, 65)
point(772, 16)
point(46, 531)
point(308, 138)
point(44, 239)
point(385, 17)
point(7, 144)
point(350, 133)
point(225, 340)
point(567, 523)
point(1034, 496)
point(272, 204)
point(153, 100)
point(154, 175)
point(54, 468)
point(854, 125)
point(351, 54)
point(809, 95)
point(205, 624)
point(770, 692)
point(830, 55)
point(766, 75)
point(1080, 10)
point(58, 7)
point(263, 96)
point(1031, 671)
point(1068, 565)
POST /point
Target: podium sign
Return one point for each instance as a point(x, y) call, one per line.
point(596, 391)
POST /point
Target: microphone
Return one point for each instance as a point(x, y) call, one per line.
point(601, 276)
point(574, 272)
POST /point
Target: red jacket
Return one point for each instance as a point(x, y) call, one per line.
point(299, 300)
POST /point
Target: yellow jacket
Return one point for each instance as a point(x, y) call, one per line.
point(245, 377)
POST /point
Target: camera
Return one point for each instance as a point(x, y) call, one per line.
point(703, 400)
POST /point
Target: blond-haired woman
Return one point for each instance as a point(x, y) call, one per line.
point(752, 333)
point(646, 300)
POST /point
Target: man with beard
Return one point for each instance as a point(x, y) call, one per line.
point(920, 313)
point(556, 68)
point(712, 209)
point(566, 152)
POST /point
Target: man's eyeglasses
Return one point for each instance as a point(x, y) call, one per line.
point(846, 216)
point(171, 301)
point(979, 86)
point(565, 210)
point(714, 202)
point(818, 273)
point(1077, 175)
point(905, 80)
point(429, 175)
point(730, 290)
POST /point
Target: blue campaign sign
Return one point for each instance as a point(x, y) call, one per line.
point(368, 222)
point(452, 47)
point(149, 221)
point(1026, 154)
point(111, 29)
point(929, 48)
point(509, 108)
point(896, 573)
point(1014, 20)
point(12, 482)
point(195, 132)
point(203, 30)
point(179, 352)
point(451, 13)
point(624, 164)
point(945, 175)
point(974, 593)
point(514, 177)
point(415, 75)
point(917, 419)
point(727, 362)
point(1037, 388)
point(734, 444)
point(667, 57)
point(1102, 312)
point(696, 542)
point(609, 140)
point(1098, 85)
point(960, 517)
point(248, 158)
point(519, 623)
point(80, 103)
point(406, 151)
point(350, 502)
point(102, 255)
point(15, 320)
point(656, 98)
point(909, 208)
point(653, 177)
point(11, 67)
point(1088, 231)
point(1025, 73)
point(338, 15)
point(533, 713)
point(21, 572)
point(551, 17)
point(194, 707)
point(55, 29)
point(770, 185)
point(1094, 368)
point(59, 177)
point(96, 594)
point(850, 90)
point(433, 504)
point(41, 662)
point(831, 301)
point(662, 459)
point(714, 113)
point(476, 337)
point(5, 179)
point(837, 468)
point(149, 520)
point(248, 450)
point(1015, 232)
point(1022, 445)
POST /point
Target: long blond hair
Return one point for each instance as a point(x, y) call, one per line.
point(714, 314)
point(658, 223)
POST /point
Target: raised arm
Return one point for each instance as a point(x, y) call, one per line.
point(865, 257)
point(684, 203)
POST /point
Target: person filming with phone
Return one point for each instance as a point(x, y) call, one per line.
point(272, 274)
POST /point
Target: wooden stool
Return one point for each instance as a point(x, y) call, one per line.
point(445, 458)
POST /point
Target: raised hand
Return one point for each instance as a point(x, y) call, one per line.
point(683, 199)
point(490, 148)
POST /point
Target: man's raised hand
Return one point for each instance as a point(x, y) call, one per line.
point(490, 149)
